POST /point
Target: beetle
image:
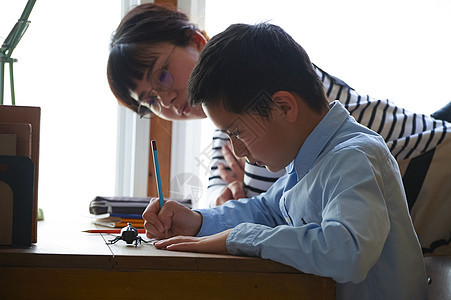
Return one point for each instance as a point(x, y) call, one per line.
point(129, 234)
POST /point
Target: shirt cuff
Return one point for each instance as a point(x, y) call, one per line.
point(209, 222)
point(241, 240)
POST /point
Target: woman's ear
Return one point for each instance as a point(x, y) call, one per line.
point(199, 40)
point(286, 105)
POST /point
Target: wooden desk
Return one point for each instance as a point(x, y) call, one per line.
point(69, 264)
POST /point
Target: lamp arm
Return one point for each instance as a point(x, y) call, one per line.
point(8, 46)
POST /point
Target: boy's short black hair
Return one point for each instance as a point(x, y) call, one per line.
point(246, 64)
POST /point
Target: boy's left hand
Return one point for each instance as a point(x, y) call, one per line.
point(208, 244)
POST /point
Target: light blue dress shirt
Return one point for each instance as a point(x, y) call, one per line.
point(340, 212)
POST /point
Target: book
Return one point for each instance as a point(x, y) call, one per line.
point(16, 201)
point(8, 144)
point(22, 131)
point(27, 115)
point(125, 205)
point(118, 220)
point(122, 205)
point(119, 224)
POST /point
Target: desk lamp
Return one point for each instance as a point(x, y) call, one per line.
point(8, 46)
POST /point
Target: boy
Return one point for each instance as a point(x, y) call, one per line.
point(340, 210)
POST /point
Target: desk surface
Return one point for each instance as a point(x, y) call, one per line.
point(67, 260)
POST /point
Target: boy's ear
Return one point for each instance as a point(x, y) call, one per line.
point(199, 40)
point(286, 104)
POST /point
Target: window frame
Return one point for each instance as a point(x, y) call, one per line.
point(134, 166)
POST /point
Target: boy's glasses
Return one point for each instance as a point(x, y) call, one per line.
point(160, 81)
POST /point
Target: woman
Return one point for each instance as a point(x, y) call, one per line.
point(152, 54)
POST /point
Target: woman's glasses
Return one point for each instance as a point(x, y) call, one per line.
point(160, 81)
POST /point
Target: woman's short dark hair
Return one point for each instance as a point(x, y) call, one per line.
point(246, 64)
point(132, 47)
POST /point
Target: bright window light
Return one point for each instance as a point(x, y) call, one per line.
point(62, 68)
point(398, 50)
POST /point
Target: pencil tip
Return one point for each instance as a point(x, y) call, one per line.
point(154, 145)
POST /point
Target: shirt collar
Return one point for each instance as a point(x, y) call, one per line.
point(318, 139)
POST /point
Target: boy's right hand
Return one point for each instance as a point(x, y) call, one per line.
point(172, 220)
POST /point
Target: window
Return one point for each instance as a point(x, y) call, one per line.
point(62, 68)
point(388, 49)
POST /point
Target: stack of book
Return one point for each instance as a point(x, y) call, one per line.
point(118, 220)
point(118, 211)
